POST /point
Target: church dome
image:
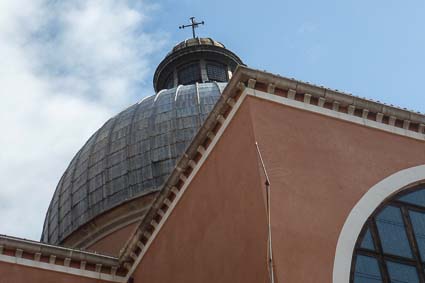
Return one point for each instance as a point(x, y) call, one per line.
point(130, 156)
point(133, 153)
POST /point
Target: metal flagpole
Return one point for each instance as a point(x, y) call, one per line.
point(270, 250)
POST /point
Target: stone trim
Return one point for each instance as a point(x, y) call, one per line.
point(337, 112)
point(354, 110)
point(63, 268)
point(325, 97)
point(58, 259)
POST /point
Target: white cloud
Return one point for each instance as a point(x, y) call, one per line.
point(66, 67)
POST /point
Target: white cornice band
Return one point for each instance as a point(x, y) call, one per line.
point(334, 113)
point(61, 268)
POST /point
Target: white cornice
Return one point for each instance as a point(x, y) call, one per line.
point(59, 259)
point(272, 82)
point(335, 114)
point(61, 268)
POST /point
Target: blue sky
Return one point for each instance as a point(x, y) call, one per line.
point(373, 49)
point(68, 66)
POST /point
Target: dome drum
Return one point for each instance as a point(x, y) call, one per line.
point(199, 56)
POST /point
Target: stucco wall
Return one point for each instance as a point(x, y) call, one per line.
point(217, 232)
point(319, 168)
point(112, 243)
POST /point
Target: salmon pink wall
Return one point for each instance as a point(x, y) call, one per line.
point(319, 167)
point(14, 273)
point(217, 231)
point(112, 243)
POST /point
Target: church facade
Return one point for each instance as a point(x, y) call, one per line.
point(230, 174)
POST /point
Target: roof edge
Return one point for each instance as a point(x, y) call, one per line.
point(56, 258)
point(329, 94)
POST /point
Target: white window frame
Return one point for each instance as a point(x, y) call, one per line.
point(358, 216)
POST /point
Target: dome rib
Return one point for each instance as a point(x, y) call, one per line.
point(62, 192)
point(198, 100)
point(151, 125)
point(46, 235)
point(177, 92)
point(128, 142)
point(73, 181)
point(89, 164)
point(217, 86)
point(108, 166)
point(158, 94)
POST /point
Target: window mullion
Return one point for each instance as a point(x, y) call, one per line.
point(413, 243)
point(378, 246)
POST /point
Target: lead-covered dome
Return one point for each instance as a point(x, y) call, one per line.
point(112, 180)
point(130, 156)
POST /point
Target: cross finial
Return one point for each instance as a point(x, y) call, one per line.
point(193, 24)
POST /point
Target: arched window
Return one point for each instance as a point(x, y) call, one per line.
point(216, 72)
point(391, 245)
point(169, 82)
point(189, 74)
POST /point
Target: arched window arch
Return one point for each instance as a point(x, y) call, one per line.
point(369, 204)
point(391, 246)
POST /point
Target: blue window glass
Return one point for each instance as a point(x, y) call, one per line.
point(416, 197)
point(216, 72)
point(169, 82)
point(392, 232)
point(367, 242)
point(418, 223)
point(402, 273)
point(399, 239)
point(189, 74)
point(367, 270)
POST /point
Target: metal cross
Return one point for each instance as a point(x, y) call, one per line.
point(194, 25)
